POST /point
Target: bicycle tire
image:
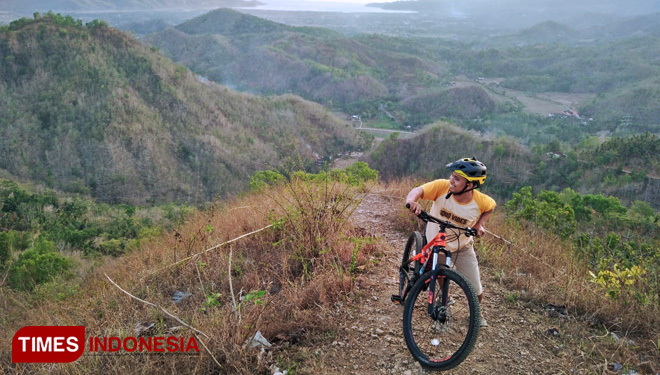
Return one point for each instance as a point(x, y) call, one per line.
point(440, 345)
point(413, 247)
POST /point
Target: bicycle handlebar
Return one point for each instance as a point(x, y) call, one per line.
point(425, 217)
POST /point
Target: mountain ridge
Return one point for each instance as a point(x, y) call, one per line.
point(107, 116)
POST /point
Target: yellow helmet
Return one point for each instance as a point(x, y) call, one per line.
point(472, 169)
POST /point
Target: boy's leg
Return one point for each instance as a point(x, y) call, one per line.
point(465, 262)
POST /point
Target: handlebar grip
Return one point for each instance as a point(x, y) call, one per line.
point(408, 205)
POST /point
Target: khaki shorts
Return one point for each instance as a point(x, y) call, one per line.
point(465, 262)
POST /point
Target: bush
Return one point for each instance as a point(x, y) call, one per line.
point(37, 265)
point(546, 210)
point(5, 249)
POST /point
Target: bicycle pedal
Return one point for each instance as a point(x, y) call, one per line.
point(396, 299)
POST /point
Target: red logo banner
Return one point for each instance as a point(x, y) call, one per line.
point(48, 344)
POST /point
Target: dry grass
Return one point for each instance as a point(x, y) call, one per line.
point(304, 263)
point(545, 270)
point(403, 221)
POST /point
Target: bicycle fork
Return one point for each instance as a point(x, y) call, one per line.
point(435, 271)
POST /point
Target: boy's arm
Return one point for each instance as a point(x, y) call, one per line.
point(479, 225)
point(413, 197)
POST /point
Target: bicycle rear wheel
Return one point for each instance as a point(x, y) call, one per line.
point(406, 273)
point(443, 342)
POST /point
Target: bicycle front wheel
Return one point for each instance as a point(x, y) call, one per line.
point(442, 340)
point(409, 269)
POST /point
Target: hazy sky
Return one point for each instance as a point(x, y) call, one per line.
point(333, 1)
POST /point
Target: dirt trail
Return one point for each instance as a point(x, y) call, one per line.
point(370, 342)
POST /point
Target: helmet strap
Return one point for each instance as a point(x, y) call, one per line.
point(465, 190)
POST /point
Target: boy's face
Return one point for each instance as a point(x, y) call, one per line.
point(457, 183)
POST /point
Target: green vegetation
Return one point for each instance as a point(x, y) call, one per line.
point(301, 259)
point(89, 110)
point(359, 74)
point(585, 68)
point(625, 167)
point(37, 265)
point(353, 75)
point(42, 231)
point(619, 244)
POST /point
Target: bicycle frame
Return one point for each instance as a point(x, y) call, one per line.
point(435, 246)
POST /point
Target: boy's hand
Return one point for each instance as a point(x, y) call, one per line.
point(414, 207)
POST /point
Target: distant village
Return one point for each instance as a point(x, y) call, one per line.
point(571, 114)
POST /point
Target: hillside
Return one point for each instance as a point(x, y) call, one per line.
point(627, 168)
point(546, 32)
point(89, 109)
point(459, 102)
point(508, 14)
point(261, 56)
point(360, 74)
point(426, 155)
point(329, 311)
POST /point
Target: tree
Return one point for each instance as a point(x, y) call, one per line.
point(5, 249)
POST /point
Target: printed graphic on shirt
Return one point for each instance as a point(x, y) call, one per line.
point(452, 217)
point(461, 214)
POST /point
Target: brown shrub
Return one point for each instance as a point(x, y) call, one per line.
point(545, 270)
point(280, 281)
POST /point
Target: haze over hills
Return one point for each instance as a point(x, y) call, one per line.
point(404, 80)
point(23, 6)
point(89, 109)
point(258, 55)
point(513, 14)
point(364, 73)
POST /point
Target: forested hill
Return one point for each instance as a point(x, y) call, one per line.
point(89, 109)
point(362, 74)
point(627, 168)
point(257, 55)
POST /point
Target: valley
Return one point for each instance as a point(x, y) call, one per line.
point(244, 169)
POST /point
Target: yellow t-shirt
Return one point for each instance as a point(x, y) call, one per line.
point(461, 214)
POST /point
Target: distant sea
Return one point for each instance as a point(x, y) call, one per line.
point(115, 17)
point(320, 6)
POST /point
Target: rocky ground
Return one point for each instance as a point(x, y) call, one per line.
point(522, 337)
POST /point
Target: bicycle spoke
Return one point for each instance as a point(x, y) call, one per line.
point(413, 247)
point(446, 339)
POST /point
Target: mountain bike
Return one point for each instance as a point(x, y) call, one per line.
point(441, 330)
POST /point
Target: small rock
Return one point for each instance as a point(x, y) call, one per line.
point(379, 331)
point(179, 296)
point(258, 340)
point(141, 328)
point(616, 367)
point(553, 331)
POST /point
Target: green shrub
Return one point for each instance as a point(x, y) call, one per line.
point(5, 249)
point(38, 265)
point(546, 210)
